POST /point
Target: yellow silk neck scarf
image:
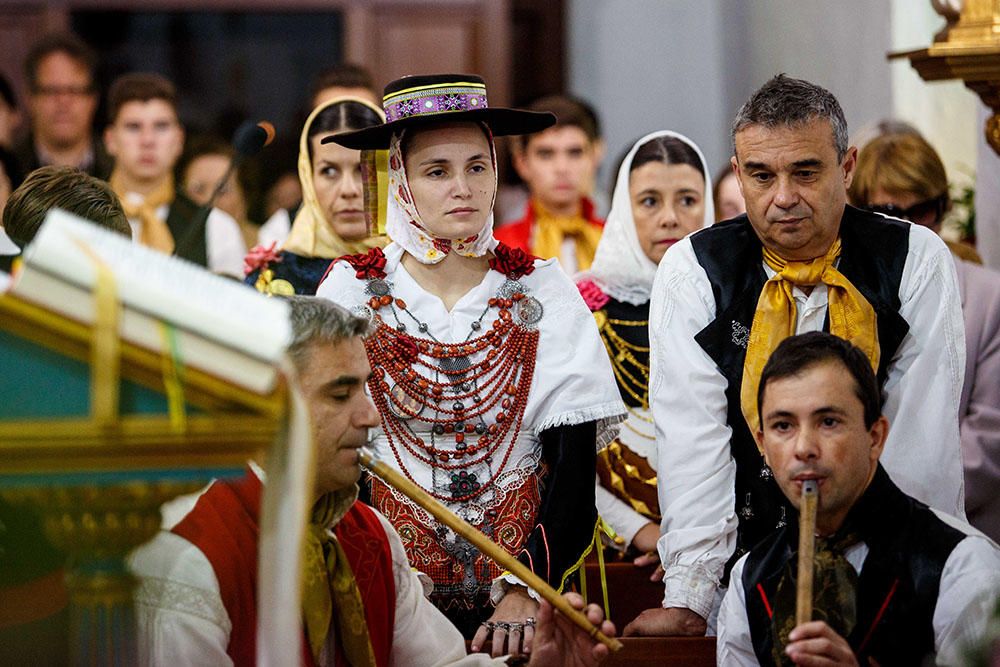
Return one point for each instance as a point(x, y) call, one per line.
point(154, 233)
point(851, 317)
point(551, 230)
point(330, 591)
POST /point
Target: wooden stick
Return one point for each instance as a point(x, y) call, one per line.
point(807, 547)
point(483, 543)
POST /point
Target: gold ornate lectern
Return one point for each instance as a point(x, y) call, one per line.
point(91, 446)
point(968, 49)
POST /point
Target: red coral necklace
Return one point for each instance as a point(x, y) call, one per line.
point(472, 411)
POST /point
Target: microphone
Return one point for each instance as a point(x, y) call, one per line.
point(248, 140)
point(250, 137)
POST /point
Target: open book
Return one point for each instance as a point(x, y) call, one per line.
point(223, 327)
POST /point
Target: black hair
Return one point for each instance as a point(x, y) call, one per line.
point(569, 112)
point(342, 117)
point(668, 150)
point(797, 353)
point(345, 75)
point(7, 93)
point(61, 42)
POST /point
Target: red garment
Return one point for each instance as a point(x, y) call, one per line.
point(519, 234)
point(224, 525)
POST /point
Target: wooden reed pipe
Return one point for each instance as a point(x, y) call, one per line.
point(483, 543)
point(807, 548)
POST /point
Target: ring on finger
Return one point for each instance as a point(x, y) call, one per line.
point(503, 625)
point(489, 625)
point(529, 622)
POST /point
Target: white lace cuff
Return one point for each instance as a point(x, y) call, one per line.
point(503, 583)
point(691, 587)
point(607, 415)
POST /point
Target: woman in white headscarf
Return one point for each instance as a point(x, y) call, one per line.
point(663, 193)
point(491, 382)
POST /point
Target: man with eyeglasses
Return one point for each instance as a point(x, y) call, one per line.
point(901, 175)
point(62, 101)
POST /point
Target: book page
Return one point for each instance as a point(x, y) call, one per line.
point(160, 286)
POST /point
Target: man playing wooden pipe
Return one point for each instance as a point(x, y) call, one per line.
point(362, 603)
point(894, 580)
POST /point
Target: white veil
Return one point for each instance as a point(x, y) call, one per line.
point(621, 269)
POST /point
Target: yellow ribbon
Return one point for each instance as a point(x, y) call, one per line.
point(173, 377)
point(550, 232)
point(851, 317)
point(329, 591)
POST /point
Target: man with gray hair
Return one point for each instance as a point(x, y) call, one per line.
point(362, 604)
point(799, 260)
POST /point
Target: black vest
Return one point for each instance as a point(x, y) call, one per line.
point(873, 253)
point(186, 221)
point(898, 586)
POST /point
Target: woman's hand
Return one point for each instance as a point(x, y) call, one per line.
point(512, 625)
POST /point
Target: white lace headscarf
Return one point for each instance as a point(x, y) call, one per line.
point(621, 269)
point(402, 220)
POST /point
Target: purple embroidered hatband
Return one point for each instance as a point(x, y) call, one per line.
point(434, 100)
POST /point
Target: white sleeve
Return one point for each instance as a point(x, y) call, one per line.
point(276, 229)
point(924, 385)
point(967, 597)
point(224, 244)
point(618, 514)
point(734, 646)
point(180, 618)
point(421, 634)
point(695, 468)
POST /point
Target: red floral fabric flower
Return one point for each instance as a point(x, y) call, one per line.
point(260, 257)
point(405, 348)
point(593, 296)
point(512, 262)
point(367, 265)
point(444, 245)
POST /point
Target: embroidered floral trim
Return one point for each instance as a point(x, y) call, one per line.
point(174, 596)
point(438, 100)
point(367, 265)
point(593, 296)
point(260, 257)
point(512, 262)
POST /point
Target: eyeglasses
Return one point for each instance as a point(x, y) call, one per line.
point(924, 212)
point(54, 91)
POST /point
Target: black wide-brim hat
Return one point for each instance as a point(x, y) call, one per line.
point(418, 101)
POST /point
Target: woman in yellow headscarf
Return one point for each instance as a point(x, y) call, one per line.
point(330, 221)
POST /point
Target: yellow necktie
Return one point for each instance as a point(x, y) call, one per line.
point(851, 317)
point(329, 591)
point(550, 232)
point(154, 233)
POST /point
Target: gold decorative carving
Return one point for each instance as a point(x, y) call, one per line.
point(967, 49)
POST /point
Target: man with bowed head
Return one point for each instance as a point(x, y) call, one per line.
point(895, 582)
point(799, 260)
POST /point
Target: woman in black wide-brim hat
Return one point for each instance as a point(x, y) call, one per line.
point(493, 386)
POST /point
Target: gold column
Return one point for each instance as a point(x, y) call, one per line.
point(967, 49)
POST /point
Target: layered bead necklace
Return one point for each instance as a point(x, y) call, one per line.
point(631, 373)
point(472, 410)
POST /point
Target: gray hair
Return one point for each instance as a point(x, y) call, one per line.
point(316, 321)
point(784, 101)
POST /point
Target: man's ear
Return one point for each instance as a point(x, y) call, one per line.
point(599, 148)
point(109, 141)
point(849, 164)
point(759, 437)
point(879, 432)
point(736, 172)
point(519, 158)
